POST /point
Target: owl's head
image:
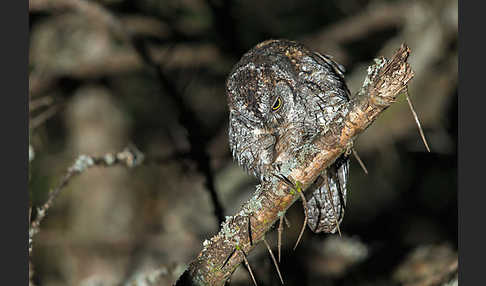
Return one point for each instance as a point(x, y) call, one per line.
point(259, 88)
point(279, 82)
point(280, 95)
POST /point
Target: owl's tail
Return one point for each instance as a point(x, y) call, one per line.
point(328, 200)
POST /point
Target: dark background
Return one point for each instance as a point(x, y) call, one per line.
point(103, 74)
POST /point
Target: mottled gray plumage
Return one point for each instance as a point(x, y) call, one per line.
point(281, 95)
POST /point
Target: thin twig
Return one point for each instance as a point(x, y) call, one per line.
point(228, 258)
point(279, 237)
point(249, 230)
point(287, 222)
point(248, 266)
point(304, 204)
point(416, 120)
point(274, 260)
point(40, 102)
point(356, 156)
point(43, 117)
point(297, 188)
point(129, 157)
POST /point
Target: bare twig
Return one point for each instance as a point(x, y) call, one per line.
point(416, 120)
point(306, 217)
point(249, 230)
point(43, 117)
point(274, 260)
point(279, 239)
point(40, 102)
point(129, 157)
point(385, 80)
point(287, 222)
point(248, 266)
point(355, 154)
point(296, 187)
point(228, 258)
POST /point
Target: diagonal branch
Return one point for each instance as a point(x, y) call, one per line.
point(385, 80)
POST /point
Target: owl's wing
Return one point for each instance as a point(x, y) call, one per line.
point(328, 200)
point(330, 60)
point(338, 69)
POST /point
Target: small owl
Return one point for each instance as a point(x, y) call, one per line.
point(281, 96)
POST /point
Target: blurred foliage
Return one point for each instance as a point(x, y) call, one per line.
point(92, 92)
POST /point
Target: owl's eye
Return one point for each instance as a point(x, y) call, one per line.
point(277, 104)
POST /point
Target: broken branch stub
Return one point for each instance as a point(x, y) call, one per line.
point(385, 80)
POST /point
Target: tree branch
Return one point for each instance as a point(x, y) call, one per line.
point(385, 80)
point(129, 157)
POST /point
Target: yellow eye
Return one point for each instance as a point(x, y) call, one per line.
point(277, 104)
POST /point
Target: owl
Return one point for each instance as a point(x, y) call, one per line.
point(281, 95)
